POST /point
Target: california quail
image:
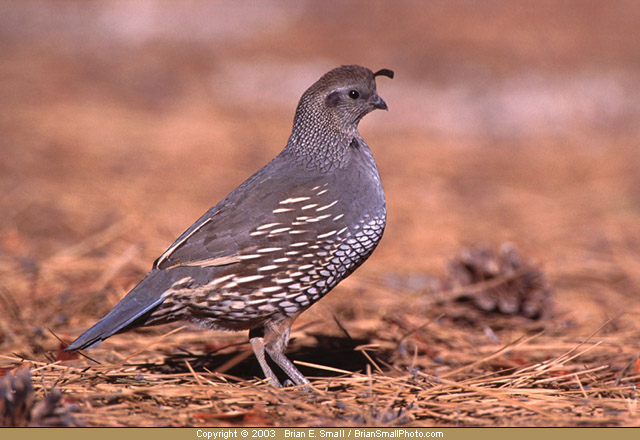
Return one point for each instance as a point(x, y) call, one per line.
point(281, 240)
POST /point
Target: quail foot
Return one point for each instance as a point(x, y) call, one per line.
point(281, 240)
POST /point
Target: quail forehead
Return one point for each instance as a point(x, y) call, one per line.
point(350, 76)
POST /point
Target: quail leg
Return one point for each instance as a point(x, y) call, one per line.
point(287, 366)
point(277, 338)
point(256, 338)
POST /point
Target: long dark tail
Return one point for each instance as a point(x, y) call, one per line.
point(141, 301)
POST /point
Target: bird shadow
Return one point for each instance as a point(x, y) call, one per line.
point(334, 352)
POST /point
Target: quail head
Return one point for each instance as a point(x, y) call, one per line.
point(281, 240)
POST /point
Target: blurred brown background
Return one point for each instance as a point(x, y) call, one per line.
point(121, 122)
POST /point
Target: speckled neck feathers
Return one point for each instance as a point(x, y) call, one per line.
point(327, 117)
point(316, 140)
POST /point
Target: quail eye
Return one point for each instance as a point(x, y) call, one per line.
point(353, 94)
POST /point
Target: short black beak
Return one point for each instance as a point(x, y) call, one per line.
point(379, 103)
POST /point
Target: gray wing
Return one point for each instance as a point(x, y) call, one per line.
point(223, 232)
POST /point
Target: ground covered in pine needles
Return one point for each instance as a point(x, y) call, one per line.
point(504, 292)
